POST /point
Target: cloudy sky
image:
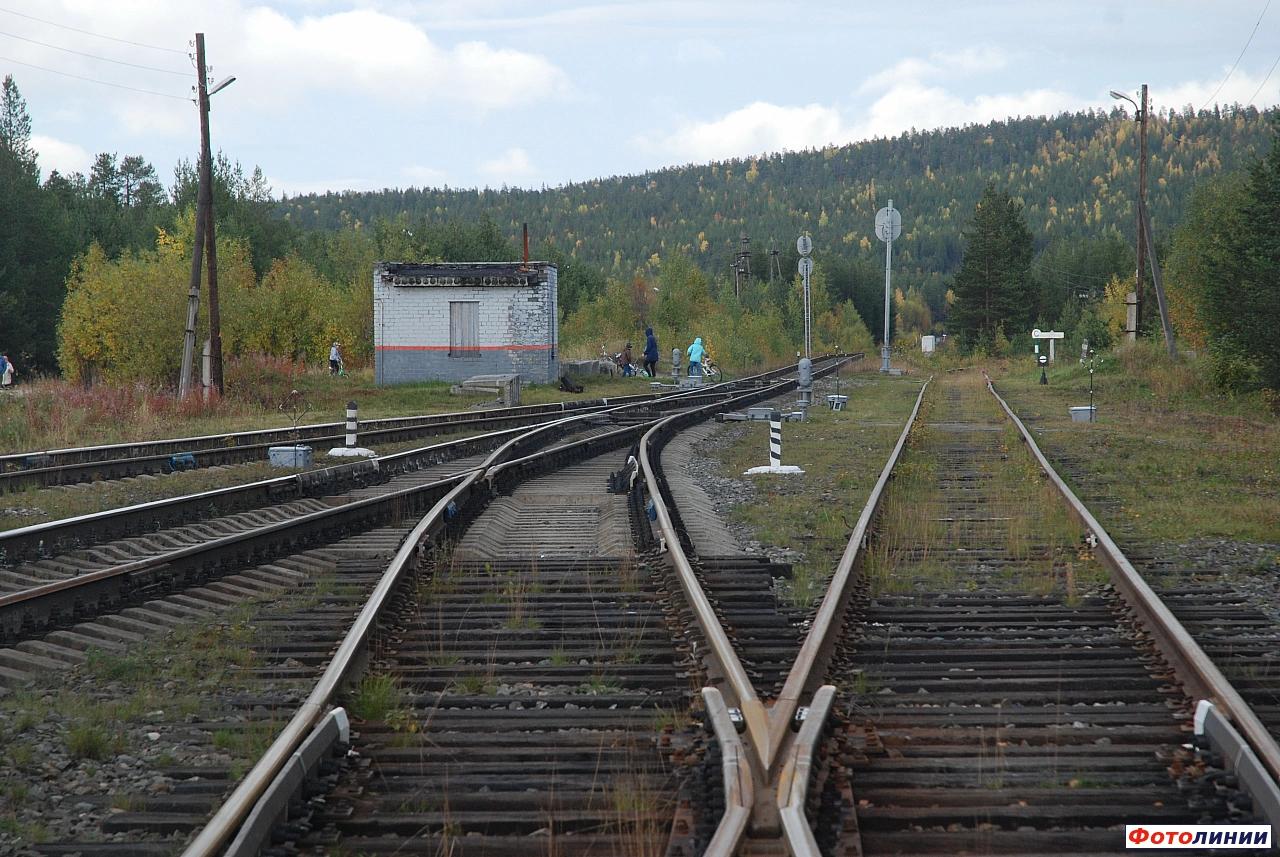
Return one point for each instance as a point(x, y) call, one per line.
point(365, 94)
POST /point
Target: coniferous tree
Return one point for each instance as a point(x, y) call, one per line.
point(15, 124)
point(33, 250)
point(1224, 273)
point(1257, 304)
point(993, 285)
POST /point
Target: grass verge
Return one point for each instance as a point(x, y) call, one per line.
point(842, 454)
point(1178, 460)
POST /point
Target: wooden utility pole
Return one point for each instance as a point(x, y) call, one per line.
point(205, 241)
point(211, 242)
point(1158, 282)
point(1142, 206)
point(204, 208)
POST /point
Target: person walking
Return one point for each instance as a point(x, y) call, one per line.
point(650, 353)
point(6, 371)
point(694, 354)
point(335, 359)
point(628, 367)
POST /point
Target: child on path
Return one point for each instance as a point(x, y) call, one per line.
point(694, 354)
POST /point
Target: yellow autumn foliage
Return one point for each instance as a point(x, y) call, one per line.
point(123, 319)
point(1114, 308)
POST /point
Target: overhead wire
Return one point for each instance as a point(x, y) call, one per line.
point(93, 56)
point(91, 33)
point(94, 80)
point(1264, 80)
point(1236, 64)
point(1070, 278)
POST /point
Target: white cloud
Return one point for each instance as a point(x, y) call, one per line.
point(903, 99)
point(759, 127)
point(511, 166)
point(145, 117)
point(288, 58)
point(911, 68)
point(1239, 88)
point(943, 63)
point(911, 104)
point(375, 55)
point(60, 155)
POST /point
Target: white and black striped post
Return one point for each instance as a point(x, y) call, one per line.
point(775, 439)
point(352, 410)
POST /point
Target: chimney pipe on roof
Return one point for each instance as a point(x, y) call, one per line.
point(525, 228)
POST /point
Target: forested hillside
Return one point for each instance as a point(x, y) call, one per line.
point(88, 260)
point(1075, 173)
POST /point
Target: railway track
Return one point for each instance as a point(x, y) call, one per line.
point(1242, 641)
point(115, 633)
point(999, 700)
point(45, 589)
point(968, 682)
point(994, 689)
point(74, 465)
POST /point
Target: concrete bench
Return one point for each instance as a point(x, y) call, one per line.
point(506, 388)
point(589, 367)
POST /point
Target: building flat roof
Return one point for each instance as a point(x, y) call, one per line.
point(460, 269)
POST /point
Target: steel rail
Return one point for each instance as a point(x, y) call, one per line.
point(349, 656)
point(793, 780)
point(743, 693)
point(23, 541)
point(739, 784)
point(815, 651)
point(116, 468)
point(724, 659)
point(27, 606)
point(227, 820)
point(20, 462)
point(1192, 664)
point(42, 602)
point(131, 449)
point(34, 463)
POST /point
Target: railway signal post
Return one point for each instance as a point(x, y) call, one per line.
point(804, 245)
point(888, 228)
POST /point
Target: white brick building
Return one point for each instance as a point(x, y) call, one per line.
point(451, 320)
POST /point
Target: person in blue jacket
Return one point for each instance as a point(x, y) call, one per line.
point(650, 353)
point(695, 356)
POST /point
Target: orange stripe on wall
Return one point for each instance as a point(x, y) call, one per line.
point(472, 348)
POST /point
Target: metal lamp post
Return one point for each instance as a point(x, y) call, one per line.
point(1146, 251)
point(1140, 244)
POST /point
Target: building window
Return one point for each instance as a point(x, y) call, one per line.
point(464, 329)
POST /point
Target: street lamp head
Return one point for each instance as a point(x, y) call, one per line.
point(1120, 96)
point(223, 84)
